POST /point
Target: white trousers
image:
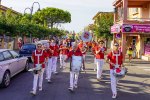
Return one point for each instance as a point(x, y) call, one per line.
point(84, 56)
point(62, 60)
point(49, 69)
point(73, 78)
point(35, 80)
point(54, 64)
point(113, 82)
point(99, 63)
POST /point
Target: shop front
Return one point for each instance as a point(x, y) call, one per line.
point(137, 35)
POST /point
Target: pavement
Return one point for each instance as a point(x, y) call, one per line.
point(135, 86)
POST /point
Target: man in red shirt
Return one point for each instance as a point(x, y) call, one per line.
point(99, 55)
point(55, 54)
point(115, 59)
point(75, 52)
point(63, 54)
point(39, 57)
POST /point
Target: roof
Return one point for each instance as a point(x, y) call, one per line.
point(100, 13)
point(4, 8)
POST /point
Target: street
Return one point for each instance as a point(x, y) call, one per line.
point(135, 86)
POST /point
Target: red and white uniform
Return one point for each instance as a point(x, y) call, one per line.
point(55, 55)
point(81, 46)
point(74, 75)
point(63, 55)
point(49, 66)
point(99, 60)
point(38, 57)
point(112, 57)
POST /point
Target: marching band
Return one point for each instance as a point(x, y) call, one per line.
point(46, 59)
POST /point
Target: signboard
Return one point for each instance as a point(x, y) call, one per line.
point(115, 28)
point(135, 28)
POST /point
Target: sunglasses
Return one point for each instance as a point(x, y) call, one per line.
point(101, 43)
point(39, 46)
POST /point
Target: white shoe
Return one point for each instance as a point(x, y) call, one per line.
point(75, 86)
point(33, 93)
point(70, 89)
point(114, 96)
point(46, 78)
point(40, 88)
point(49, 81)
point(55, 73)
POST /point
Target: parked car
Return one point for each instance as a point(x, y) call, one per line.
point(11, 63)
point(27, 49)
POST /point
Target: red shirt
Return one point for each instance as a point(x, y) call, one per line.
point(76, 53)
point(55, 50)
point(49, 53)
point(81, 47)
point(112, 59)
point(100, 55)
point(64, 50)
point(41, 58)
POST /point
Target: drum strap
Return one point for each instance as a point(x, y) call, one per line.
point(38, 55)
point(116, 57)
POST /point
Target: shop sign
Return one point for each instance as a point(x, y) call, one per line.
point(135, 28)
point(115, 28)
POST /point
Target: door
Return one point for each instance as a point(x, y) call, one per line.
point(10, 62)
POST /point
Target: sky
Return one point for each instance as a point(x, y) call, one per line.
point(82, 11)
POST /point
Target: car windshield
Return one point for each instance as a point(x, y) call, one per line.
point(28, 46)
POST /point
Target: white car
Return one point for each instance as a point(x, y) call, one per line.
point(11, 64)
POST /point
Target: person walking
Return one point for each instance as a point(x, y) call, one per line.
point(39, 58)
point(115, 59)
point(100, 51)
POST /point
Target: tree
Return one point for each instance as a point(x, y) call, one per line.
point(105, 22)
point(52, 16)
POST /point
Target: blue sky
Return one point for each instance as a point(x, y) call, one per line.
point(82, 11)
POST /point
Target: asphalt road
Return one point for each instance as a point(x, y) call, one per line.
point(135, 86)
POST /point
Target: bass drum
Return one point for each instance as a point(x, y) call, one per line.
point(86, 36)
point(76, 63)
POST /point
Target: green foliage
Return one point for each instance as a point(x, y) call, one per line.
point(105, 22)
point(52, 16)
point(24, 25)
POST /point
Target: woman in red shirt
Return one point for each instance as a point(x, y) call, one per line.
point(115, 59)
point(75, 52)
point(39, 57)
point(100, 51)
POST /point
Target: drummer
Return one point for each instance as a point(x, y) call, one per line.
point(112, 60)
point(39, 57)
point(74, 75)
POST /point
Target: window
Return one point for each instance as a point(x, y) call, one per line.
point(7, 55)
point(29, 46)
point(1, 57)
point(14, 54)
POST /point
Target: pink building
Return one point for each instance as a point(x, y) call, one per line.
point(132, 25)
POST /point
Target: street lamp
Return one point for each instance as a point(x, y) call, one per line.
point(31, 12)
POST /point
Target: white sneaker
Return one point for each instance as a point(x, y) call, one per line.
point(75, 86)
point(40, 88)
point(49, 81)
point(70, 89)
point(55, 73)
point(114, 96)
point(33, 93)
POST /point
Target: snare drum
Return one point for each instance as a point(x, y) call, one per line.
point(76, 63)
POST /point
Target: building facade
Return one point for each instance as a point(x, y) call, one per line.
point(132, 26)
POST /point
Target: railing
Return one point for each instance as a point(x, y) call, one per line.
point(139, 19)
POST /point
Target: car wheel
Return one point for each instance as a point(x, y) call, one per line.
point(6, 79)
point(26, 66)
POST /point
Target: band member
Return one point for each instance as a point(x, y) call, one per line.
point(49, 65)
point(63, 54)
point(39, 57)
point(100, 51)
point(55, 53)
point(74, 74)
point(83, 47)
point(115, 59)
point(94, 45)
